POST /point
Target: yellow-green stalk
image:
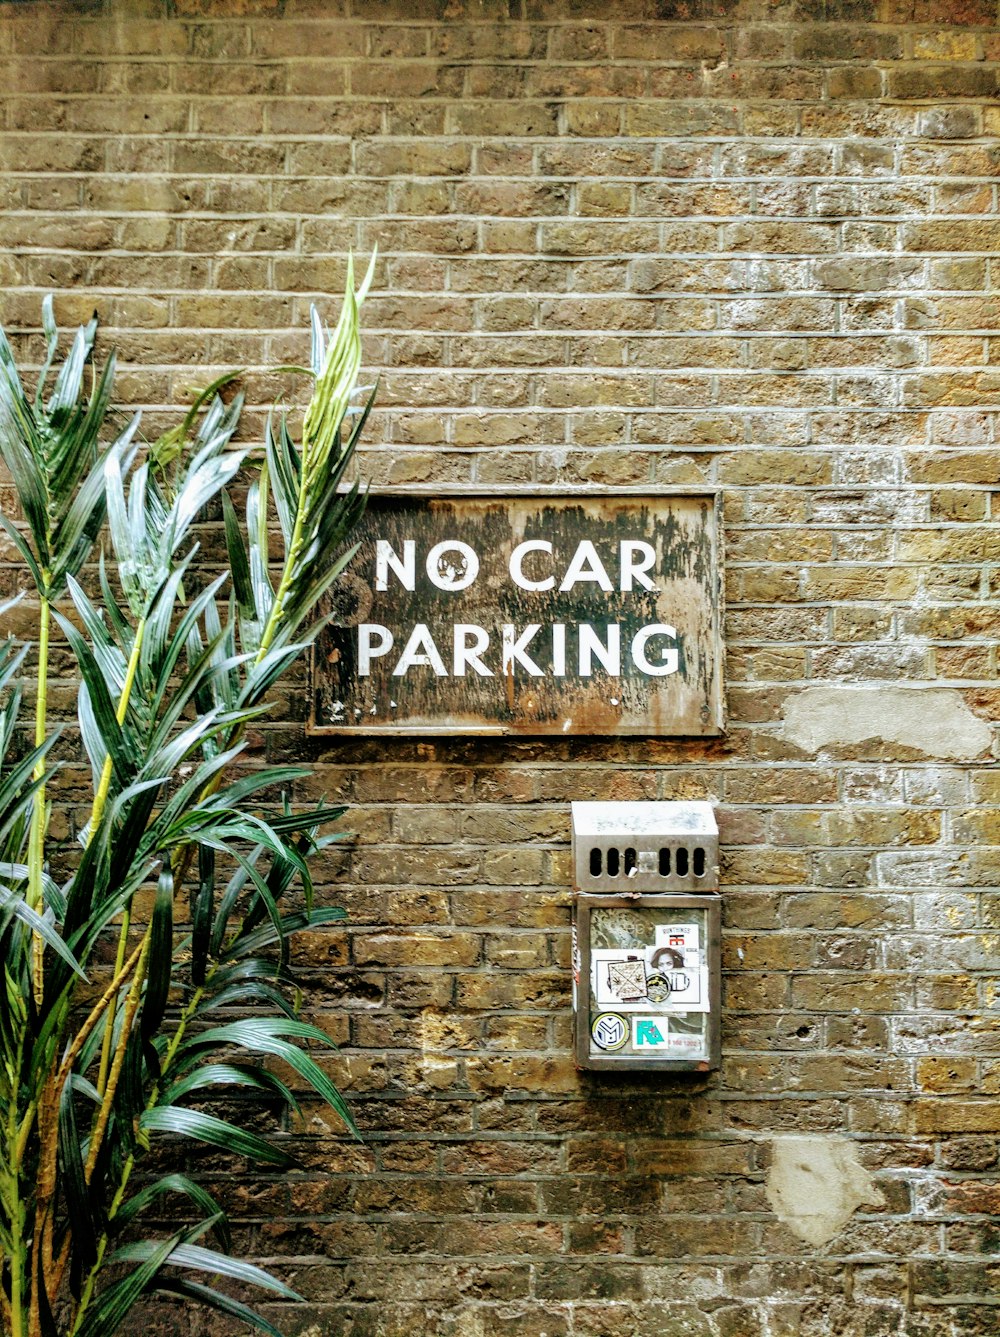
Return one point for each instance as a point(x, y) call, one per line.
point(111, 1078)
point(17, 1223)
point(116, 1202)
point(97, 812)
point(36, 840)
point(104, 788)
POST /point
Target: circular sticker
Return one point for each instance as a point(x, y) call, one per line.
point(657, 988)
point(610, 1031)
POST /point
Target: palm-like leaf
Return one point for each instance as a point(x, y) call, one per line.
point(316, 513)
point(207, 1260)
point(115, 1303)
point(52, 452)
point(213, 1299)
point(171, 674)
point(148, 525)
point(168, 452)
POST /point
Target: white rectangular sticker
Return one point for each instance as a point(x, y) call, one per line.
point(688, 989)
point(650, 1033)
point(642, 981)
point(654, 1034)
point(678, 945)
point(618, 977)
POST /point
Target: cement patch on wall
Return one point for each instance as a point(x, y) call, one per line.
point(816, 1183)
point(934, 721)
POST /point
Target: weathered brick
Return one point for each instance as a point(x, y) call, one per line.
point(660, 241)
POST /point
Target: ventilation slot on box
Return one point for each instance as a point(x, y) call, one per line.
point(613, 862)
point(644, 857)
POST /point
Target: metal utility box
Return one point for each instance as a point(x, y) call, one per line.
point(646, 936)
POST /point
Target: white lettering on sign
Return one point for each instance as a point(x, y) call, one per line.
point(586, 566)
point(451, 565)
point(467, 656)
point(668, 661)
point(515, 565)
point(373, 641)
point(608, 651)
point(386, 559)
point(447, 573)
point(471, 643)
point(420, 649)
point(514, 649)
point(454, 565)
point(559, 650)
point(631, 567)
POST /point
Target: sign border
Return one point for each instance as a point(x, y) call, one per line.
point(425, 492)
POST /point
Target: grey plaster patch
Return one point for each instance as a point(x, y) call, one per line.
point(816, 1183)
point(932, 720)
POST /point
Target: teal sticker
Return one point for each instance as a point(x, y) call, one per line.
point(651, 1033)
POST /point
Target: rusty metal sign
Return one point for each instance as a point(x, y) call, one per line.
point(526, 614)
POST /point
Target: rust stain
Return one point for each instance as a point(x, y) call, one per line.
point(509, 685)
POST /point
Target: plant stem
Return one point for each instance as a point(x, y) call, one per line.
point(116, 1202)
point(82, 1035)
point(293, 553)
point(36, 842)
point(36, 865)
point(108, 1093)
point(181, 864)
point(100, 800)
point(109, 1024)
point(15, 1212)
point(291, 561)
point(25, 1130)
point(104, 788)
point(17, 1269)
point(41, 703)
point(48, 1121)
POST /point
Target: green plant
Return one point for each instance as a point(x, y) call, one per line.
point(95, 1068)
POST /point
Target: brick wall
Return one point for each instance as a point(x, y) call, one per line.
point(643, 241)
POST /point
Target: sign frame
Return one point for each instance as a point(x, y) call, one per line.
point(542, 494)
